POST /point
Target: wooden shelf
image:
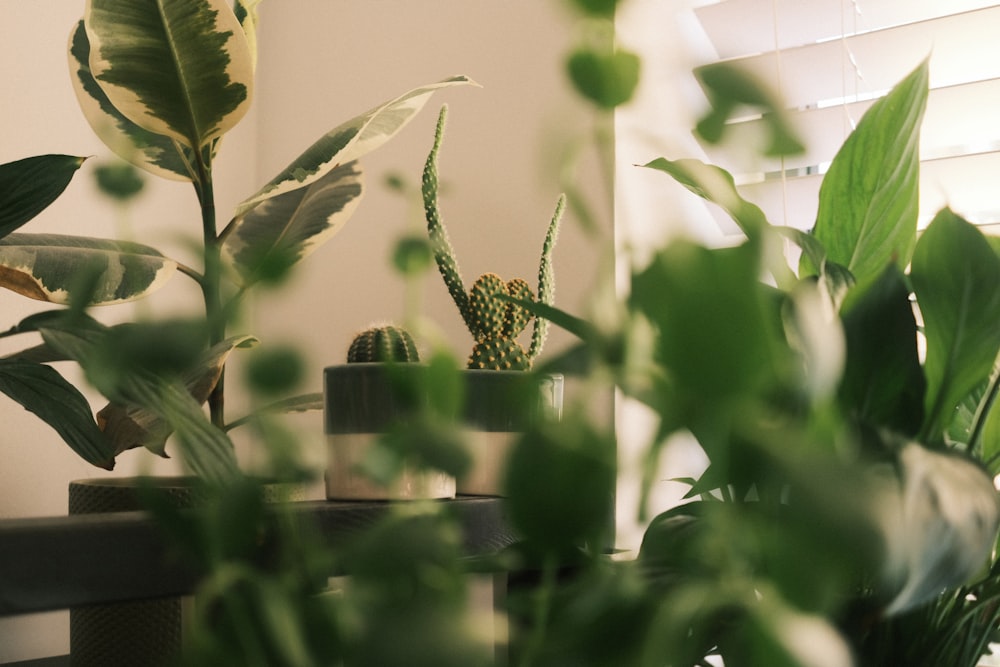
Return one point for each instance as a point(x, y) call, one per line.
point(63, 562)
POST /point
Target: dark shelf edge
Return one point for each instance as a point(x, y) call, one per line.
point(56, 563)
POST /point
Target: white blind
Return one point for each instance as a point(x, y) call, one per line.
point(829, 59)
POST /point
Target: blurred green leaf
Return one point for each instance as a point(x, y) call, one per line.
point(275, 370)
point(606, 79)
point(119, 180)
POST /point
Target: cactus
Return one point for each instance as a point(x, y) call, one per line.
point(382, 343)
point(487, 310)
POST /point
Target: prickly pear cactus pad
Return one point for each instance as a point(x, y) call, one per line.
point(495, 323)
point(381, 344)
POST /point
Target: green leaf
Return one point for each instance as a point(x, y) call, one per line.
point(349, 141)
point(130, 425)
point(715, 185)
point(28, 186)
point(730, 87)
point(284, 229)
point(44, 392)
point(246, 14)
point(606, 79)
point(883, 383)
point(158, 154)
point(956, 278)
point(180, 69)
point(54, 268)
point(867, 216)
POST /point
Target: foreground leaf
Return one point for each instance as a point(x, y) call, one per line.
point(180, 69)
point(43, 391)
point(28, 186)
point(57, 268)
point(349, 141)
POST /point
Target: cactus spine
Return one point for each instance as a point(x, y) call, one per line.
point(382, 343)
point(487, 310)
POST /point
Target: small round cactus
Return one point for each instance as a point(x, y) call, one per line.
point(381, 344)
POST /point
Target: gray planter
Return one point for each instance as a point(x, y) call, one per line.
point(361, 402)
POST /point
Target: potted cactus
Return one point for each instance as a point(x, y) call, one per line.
point(501, 397)
point(368, 402)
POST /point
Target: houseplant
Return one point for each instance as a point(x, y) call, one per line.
point(170, 120)
point(500, 399)
point(848, 495)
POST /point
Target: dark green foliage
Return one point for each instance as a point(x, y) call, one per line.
point(119, 180)
point(28, 186)
point(606, 79)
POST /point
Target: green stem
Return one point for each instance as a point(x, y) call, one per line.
point(211, 279)
point(542, 611)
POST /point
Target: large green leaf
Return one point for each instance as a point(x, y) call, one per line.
point(44, 392)
point(182, 69)
point(349, 141)
point(50, 267)
point(28, 186)
point(867, 214)
point(284, 229)
point(883, 383)
point(956, 278)
point(156, 153)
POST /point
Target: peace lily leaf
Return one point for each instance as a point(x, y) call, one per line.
point(130, 425)
point(715, 185)
point(44, 392)
point(867, 214)
point(956, 278)
point(180, 69)
point(155, 153)
point(284, 229)
point(48, 267)
point(883, 383)
point(349, 141)
point(28, 186)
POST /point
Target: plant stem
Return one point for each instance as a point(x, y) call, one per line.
point(542, 611)
point(211, 279)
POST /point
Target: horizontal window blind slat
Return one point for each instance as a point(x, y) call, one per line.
point(964, 48)
point(967, 184)
point(746, 27)
point(959, 119)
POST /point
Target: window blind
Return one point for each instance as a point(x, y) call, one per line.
point(830, 59)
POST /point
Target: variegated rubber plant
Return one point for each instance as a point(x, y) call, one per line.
point(161, 83)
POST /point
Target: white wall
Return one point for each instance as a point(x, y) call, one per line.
point(321, 62)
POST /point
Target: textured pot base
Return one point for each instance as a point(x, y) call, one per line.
point(346, 451)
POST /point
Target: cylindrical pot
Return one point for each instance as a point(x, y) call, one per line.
point(126, 634)
point(362, 401)
point(499, 406)
point(144, 632)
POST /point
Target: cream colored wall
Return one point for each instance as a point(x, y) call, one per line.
point(321, 62)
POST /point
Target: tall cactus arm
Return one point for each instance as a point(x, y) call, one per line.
point(546, 279)
point(443, 253)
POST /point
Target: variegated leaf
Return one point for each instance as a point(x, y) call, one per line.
point(180, 69)
point(284, 229)
point(246, 13)
point(28, 186)
point(349, 141)
point(158, 154)
point(129, 426)
point(49, 267)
